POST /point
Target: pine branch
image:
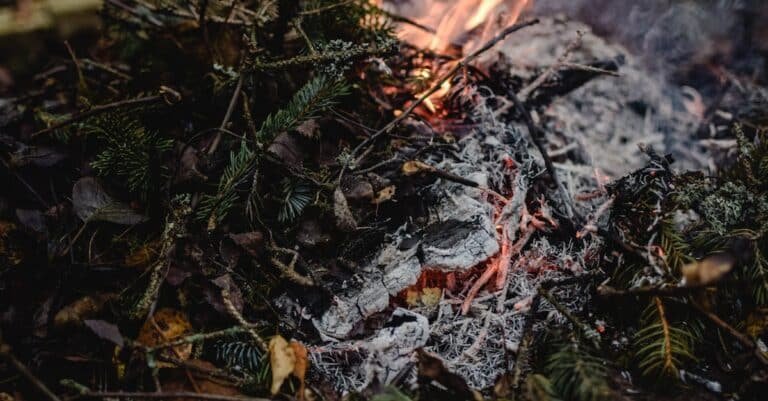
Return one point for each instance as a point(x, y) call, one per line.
point(316, 96)
point(662, 348)
point(578, 375)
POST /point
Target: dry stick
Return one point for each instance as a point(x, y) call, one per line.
point(5, 352)
point(525, 344)
point(240, 319)
point(448, 75)
point(654, 290)
point(168, 395)
point(739, 336)
point(227, 115)
point(98, 110)
point(537, 135)
point(200, 337)
point(589, 68)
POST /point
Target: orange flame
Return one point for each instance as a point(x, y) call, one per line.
point(464, 23)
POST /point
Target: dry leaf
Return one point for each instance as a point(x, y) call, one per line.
point(106, 331)
point(82, 309)
point(415, 167)
point(282, 360)
point(144, 255)
point(309, 128)
point(252, 242)
point(92, 203)
point(756, 323)
point(344, 219)
point(164, 326)
point(432, 367)
point(709, 270)
point(301, 366)
point(384, 195)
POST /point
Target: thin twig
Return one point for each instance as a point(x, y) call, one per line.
point(200, 337)
point(227, 116)
point(655, 290)
point(537, 137)
point(5, 353)
point(98, 110)
point(447, 76)
point(587, 332)
point(739, 336)
point(576, 42)
point(240, 319)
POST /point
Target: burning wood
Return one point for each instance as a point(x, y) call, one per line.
point(424, 198)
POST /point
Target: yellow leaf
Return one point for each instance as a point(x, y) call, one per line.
point(708, 270)
point(415, 167)
point(431, 296)
point(384, 195)
point(165, 326)
point(282, 360)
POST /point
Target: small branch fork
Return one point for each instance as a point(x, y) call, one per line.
point(167, 94)
point(356, 152)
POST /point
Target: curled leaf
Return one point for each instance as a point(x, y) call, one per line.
point(80, 310)
point(282, 360)
point(164, 326)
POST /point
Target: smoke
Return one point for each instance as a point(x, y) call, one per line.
point(669, 34)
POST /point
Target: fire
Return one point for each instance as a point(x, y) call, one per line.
point(443, 25)
point(463, 23)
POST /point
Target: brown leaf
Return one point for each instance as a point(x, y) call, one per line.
point(282, 360)
point(106, 331)
point(287, 148)
point(143, 255)
point(414, 167)
point(84, 308)
point(193, 380)
point(309, 129)
point(301, 366)
point(709, 270)
point(251, 242)
point(164, 326)
point(356, 189)
point(432, 367)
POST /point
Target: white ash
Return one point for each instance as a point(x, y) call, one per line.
point(608, 117)
point(391, 351)
point(592, 128)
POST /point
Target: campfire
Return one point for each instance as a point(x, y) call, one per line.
point(427, 199)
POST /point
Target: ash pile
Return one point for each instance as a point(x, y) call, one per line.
point(493, 220)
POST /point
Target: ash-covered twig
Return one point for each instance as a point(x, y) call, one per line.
point(575, 43)
point(537, 136)
point(586, 331)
